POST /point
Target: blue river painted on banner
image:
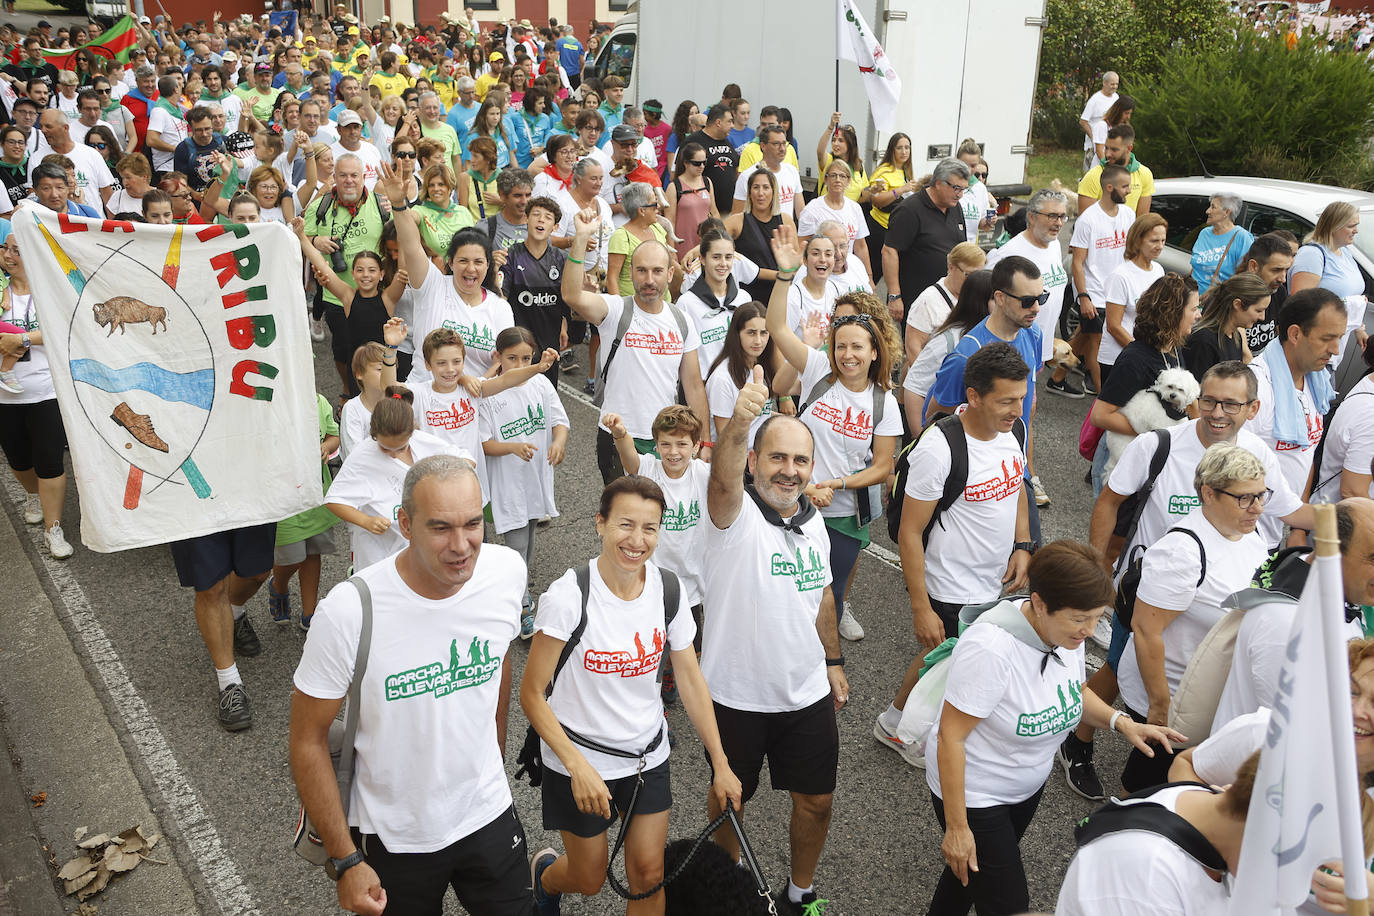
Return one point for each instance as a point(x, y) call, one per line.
point(195, 388)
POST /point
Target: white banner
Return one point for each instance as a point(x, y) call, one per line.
point(1305, 809)
point(855, 41)
point(181, 360)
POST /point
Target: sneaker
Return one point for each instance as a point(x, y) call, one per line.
point(527, 624)
point(57, 543)
point(245, 640)
point(305, 622)
point(9, 381)
point(810, 905)
point(33, 510)
point(1042, 498)
point(1076, 757)
point(317, 329)
point(1102, 632)
point(1088, 387)
point(567, 361)
point(1063, 389)
point(235, 712)
point(545, 904)
point(669, 689)
point(888, 738)
point(590, 387)
point(544, 521)
point(279, 604)
point(849, 626)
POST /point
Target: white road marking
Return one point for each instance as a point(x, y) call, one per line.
point(183, 803)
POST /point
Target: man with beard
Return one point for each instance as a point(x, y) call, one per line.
point(351, 142)
point(1270, 257)
point(649, 350)
point(767, 571)
point(1120, 142)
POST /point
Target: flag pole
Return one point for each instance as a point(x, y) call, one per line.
point(837, 85)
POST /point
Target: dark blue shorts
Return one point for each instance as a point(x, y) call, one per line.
point(561, 811)
point(202, 562)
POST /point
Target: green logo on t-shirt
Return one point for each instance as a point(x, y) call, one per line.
point(685, 516)
point(1055, 276)
point(439, 680)
point(806, 575)
point(711, 335)
point(526, 425)
point(473, 336)
point(1053, 719)
point(1182, 505)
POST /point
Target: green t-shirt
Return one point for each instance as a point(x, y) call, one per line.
point(260, 101)
point(447, 136)
point(437, 227)
point(360, 232)
point(312, 521)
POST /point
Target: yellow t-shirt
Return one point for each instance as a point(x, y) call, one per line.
point(857, 181)
point(895, 178)
point(622, 242)
point(391, 83)
point(447, 91)
point(751, 154)
point(484, 83)
point(1142, 185)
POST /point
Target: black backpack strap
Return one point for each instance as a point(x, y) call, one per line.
point(672, 597)
point(1202, 551)
point(953, 430)
point(583, 574)
point(1137, 813)
point(1321, 443)
point(627, 314)
point(1157, 462)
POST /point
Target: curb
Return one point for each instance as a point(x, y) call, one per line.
point(26, 883)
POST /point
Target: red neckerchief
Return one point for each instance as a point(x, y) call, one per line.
point(352, 210)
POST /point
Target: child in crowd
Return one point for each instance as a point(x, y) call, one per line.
point(374, 369)
point(527, 432)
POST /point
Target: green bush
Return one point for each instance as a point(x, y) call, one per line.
point(1251, 106)
point(1055, 122)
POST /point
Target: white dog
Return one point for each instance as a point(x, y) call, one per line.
point(1173, 390)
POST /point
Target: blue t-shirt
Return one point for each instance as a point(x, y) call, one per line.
point(460, 119)
point(1339, 273)
point(1208, 250)
point(570, 54)
point(740, 137)
point(519, 135)
point(538, 126)
point(949, 381)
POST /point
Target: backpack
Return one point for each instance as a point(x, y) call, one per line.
point(1137, 812)
point(953, 430)
point(531, 755)
point(868, 501)
point(1320, 452)
point(1132, 507)
point(1130, 579)
point(627, 314)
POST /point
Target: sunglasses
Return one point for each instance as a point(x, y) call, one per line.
point(96, 145)
point(404, 155)
point(1027, 302)
point(701, 163)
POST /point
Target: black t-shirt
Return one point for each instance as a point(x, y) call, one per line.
point(339, 27)
point(533, 287)
point(922, 237)
point(16, 181)
point(1266, 329)
point(1136, 369)
point(1204, 348)
point(197, 163)
point(722, 167)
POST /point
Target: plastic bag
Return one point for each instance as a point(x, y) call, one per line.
point(922, 710)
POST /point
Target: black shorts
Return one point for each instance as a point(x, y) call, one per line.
point(949, 616)
point(560, 808)
point(337, 322)
point(202, 562)
point(802, 747)
point(33, 438)
point(1090, 325)
point(488, 870)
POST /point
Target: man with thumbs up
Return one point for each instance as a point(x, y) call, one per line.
point(767, 572)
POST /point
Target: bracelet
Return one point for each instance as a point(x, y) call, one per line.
point(385, 363)
point(1111, 723)
point(788, 275)
point(573, 260)
point(392, 346)
point(835, 662)
point(842, 483)
point(397, 209)
point(706, 443)
point(785, 399)
point(892, 297)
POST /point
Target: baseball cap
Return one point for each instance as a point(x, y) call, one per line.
point(144, 20)
point(229, 56)
point(353, 30)
point(239, 143)
point(44, 24)
point(262, 68)
point(312, 38)
point(496, 55)
point(624, 133)
point(347, 117)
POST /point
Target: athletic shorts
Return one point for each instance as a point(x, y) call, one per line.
point(337, 322)
point(314, 546)
point(33, 438)
point(802, 747)
point(949, 616)
point(561, 812)
point(204, 561)
point(1090, 325)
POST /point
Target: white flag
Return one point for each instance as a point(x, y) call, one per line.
point(855, 41)
point(1305, 807)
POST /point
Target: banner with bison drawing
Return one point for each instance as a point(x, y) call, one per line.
point(182, 363)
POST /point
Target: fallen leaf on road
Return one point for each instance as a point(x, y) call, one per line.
point(77, 883)
point(39, 800)
point(100, 839)
point(102, 878)
point(76, 868)
point(80, 832)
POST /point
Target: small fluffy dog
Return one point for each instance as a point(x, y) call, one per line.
point(1161, 405)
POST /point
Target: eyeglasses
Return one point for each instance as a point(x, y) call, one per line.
point(1052, 217)
point(96, 145)
point(699, 163)
point(1230, 408)
point(958, 189)
point(105, 91)
point(1247, 500)
point(182, 196)
point(399, 154)
point(1027, 302)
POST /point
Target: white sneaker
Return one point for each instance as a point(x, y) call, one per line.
point(1102, 632)
point(1042, 498)
point(57, 543)
point(849, 626)
point(910, 753)
point(9, 381)
point(317, 329)
point(33, 510)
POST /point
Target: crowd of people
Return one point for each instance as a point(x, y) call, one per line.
point(470, 203)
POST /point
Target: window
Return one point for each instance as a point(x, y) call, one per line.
point(618, 57)
point(619, 6)
point(1186, 213)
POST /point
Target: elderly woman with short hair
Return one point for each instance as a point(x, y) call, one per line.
point(1221, 244)
point(1185, 579)
point(641, 206)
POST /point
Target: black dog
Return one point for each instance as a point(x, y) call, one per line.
point(712, 885)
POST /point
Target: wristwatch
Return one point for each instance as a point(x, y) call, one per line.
point(1081, 295)
point(1028, 546)
point(27, 343)
point(335, 868)
point(893, 296)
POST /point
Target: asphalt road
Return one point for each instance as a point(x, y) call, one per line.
point(227, 803)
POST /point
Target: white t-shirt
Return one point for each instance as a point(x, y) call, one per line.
point(769, 582)
point(171, 130)
point(121, 201)
point(78, 131)
point(841, 422)
point(932, 307)
point(438, 305)
point(1295, 460)
point(971, 542)
point(1025, 714)
point(355, 422)
point(33, 372)
point(1169, 581)
point(233, 107)
point(742, 269)
point(598, 251)
point(370, 481)
point(721, 395)
point(1124, 286)
point(92, 173)
point(922, 373)
point(1137, 873)
point(711, 321)
point(682, 536)
point(789, 184)
point(1050, 260)
point(1174, 495)
point(1103, 237)
point(975, 202)
point(801, 305)
point(644, 374)
point(371, 158)
point(522, 491)
point(850, 215)
point(1349, 442)
point(608, 691)
point(453, 417)
point(1095, 112)
point(1218, 759)
point(853, 279)
point(429, 768)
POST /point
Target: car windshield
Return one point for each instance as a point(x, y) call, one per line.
point(1364, 239)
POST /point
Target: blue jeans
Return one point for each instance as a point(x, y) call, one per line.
point(1099, 466)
